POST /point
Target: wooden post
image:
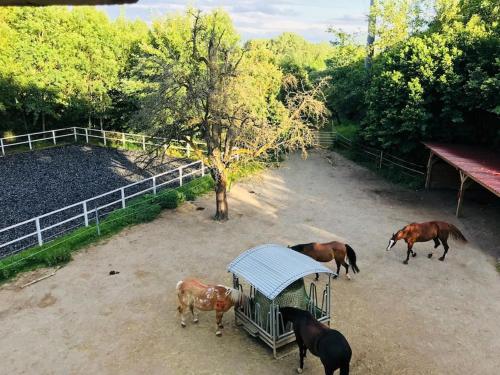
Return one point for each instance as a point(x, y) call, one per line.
point(430, 164)
point(144, 142)
point(29, 141)
point(104, 136)
point(123, 139)
point(74, 132)
point(54, 136)
point(1, 144)
point(86, 135)
point(464, 184)
point(381, 158)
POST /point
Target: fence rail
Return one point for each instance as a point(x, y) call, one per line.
point(77, 133)
point(381, 157)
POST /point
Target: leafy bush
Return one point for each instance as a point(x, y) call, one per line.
point(170, 199)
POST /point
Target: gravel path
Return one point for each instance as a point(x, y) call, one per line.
point(35, 183)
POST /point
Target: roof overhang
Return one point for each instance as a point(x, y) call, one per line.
point(63, 2)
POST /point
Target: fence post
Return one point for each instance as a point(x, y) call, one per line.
point(29, 141)
point(202, 168)
point(74, 132)
point(38, 231)
point(123, 139)
point(144, 142)
point(1, 144)
point(180, 176)
point(154, 185)
point(104, 136)
point(54, 136)
point(97, 221)
point(85, 214)
point(188, 150)
point(86, 135)
point(123, 197)
point(381, 158)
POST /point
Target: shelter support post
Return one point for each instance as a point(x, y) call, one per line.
point(430, 163)
point(465, 182)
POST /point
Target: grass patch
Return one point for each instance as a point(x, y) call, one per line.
point(140, 210)
point(348, 129)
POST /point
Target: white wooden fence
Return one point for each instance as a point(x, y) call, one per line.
point(78, 133)
point(42, 228)
point(90, 208)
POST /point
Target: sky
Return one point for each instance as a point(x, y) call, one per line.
point(265, 19)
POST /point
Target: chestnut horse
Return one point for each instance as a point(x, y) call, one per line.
point(198, 296)
point(422, 232)
point(325, 252)
point(328, 344)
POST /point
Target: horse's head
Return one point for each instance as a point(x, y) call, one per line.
point(392, 241)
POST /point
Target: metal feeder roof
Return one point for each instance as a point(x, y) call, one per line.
point(271, 268)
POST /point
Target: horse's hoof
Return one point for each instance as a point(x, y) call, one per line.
point(429, 255)
point(195, 320)
point(183, 325)
point(316, 279)
point(218, 333)
point(413, 255)
point(299, 370)
point(348, 277)
point(335, 276)
point(405, 262)
point(441, 258)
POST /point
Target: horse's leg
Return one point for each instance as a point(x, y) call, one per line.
point(338, 269)
point(346, 270)
point(218, 321)
point(328, 368)
point(410, 245)
point(193, 313)
point(317, 277)
point(182, 308)
point(302, 352)
point(436, 244)
point(446, 247)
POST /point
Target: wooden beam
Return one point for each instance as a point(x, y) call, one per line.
point(465, 182)
point(430, 163)
point(63, 2)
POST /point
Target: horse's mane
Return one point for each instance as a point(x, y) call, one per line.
point(299, 247)
point(235, 295)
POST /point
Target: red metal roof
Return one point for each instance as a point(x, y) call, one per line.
point(482, 165)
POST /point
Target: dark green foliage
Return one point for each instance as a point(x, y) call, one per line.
point(170, 199)
point(197, 187)
point(436, 82)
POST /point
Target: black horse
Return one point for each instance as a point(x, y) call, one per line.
point(327, 344)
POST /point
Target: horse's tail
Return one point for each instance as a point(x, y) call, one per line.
point(456, 234)
point(351, 255)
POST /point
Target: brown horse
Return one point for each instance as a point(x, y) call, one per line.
point(422, 232)
point(325, 252)
point(194, 294)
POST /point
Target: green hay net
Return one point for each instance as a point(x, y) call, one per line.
point(294, 295)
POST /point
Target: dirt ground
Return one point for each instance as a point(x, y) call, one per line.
point(428, 317)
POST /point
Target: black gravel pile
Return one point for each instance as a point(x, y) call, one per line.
point(35, 183)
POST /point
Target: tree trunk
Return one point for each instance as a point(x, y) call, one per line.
point(372, 24)
point(222, 212)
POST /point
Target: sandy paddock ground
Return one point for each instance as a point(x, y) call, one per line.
point(428, 317)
